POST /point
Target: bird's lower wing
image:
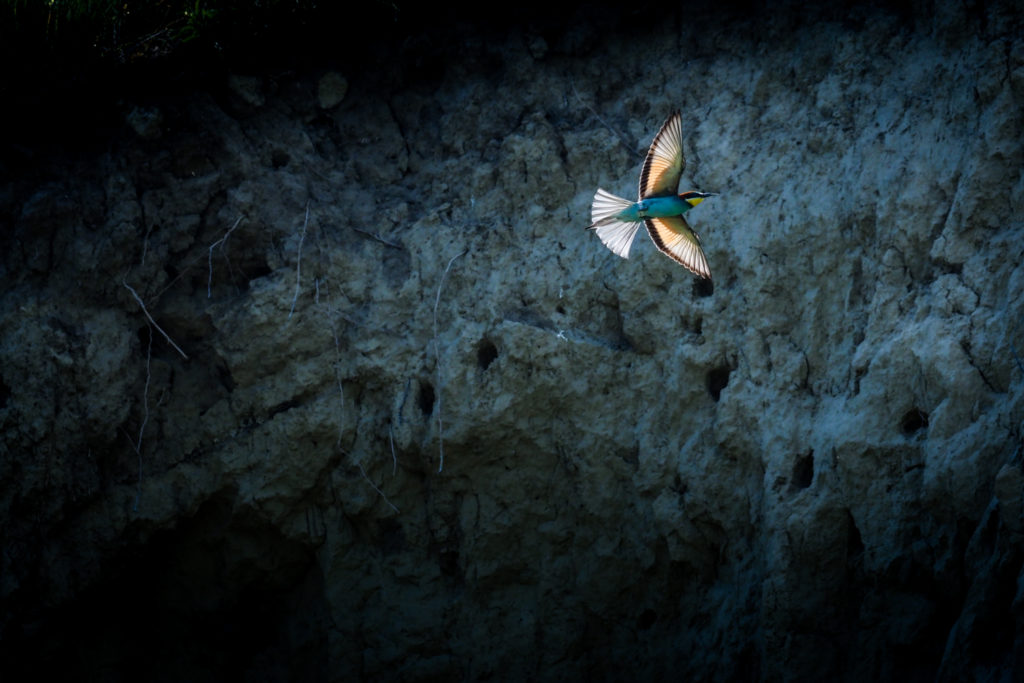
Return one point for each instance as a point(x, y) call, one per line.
point(674, 237)
point(616, 234)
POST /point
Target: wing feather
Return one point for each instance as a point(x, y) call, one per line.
point(664, 163)
point(674, 237)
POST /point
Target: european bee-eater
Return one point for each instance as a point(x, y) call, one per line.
point(616, 220)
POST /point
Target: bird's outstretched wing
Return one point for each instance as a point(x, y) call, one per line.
point(616, 234)
point(674, 237)
point(664, 163)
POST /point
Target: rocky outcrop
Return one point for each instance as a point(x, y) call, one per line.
point(317, 375)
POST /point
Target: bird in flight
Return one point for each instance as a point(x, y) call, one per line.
point(660, 205)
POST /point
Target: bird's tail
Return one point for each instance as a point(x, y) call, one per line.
point(615, 233)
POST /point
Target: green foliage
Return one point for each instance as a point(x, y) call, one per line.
point(196, 19)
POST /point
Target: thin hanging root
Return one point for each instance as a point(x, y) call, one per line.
point(209, 258)
point(145, 419)
point(159, 329)
point(437, 358)
point(394, 458)
point(370, 482)
point(298, 263)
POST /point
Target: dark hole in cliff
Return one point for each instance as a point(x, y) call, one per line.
point(646, 619)
point(702, 287)
point(279, 158)
point(448, 563)
point(5, 393)
point(426, 398)
point(282, 407)
point(392, 537)
point(803, 471)
point(854, 542)
point(486, 354)
point(913, 421)
point(224, 376)
point(256, 271)
point(717, 380)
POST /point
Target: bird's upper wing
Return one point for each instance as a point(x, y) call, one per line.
point(674, 237)
point(664, 163)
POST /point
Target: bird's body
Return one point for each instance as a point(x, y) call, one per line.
point(659, 207)
point(654, 207)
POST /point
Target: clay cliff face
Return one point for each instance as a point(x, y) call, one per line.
point(809, 469)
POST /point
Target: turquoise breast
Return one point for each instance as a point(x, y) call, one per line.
point(655, 207)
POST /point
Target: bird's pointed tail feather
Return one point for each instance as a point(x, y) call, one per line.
point(616, 234)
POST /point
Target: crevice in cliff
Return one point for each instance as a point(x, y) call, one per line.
point(966, 346)
point(486, 354)
point(803, 472)
point(717, 379)
point(426, 398)
point(913, 421)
